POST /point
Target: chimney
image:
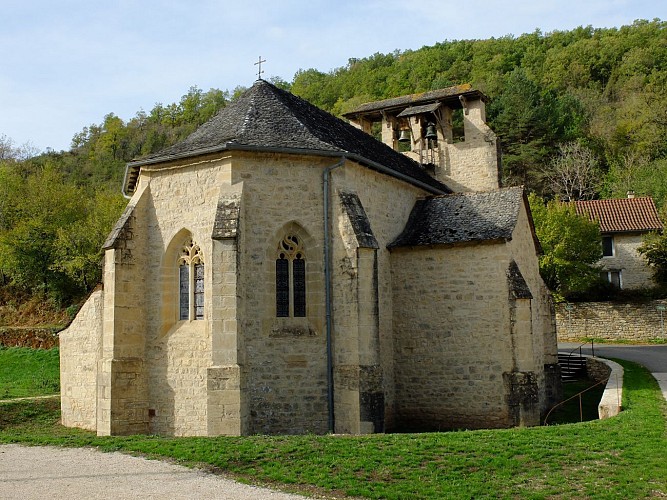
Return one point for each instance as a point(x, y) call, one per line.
point(631, 195)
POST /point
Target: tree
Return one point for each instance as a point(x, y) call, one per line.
point(574, 174)
point(654, 250)
point(43, 204)
point(520, 118)
point(78, 246)
point(571, 246)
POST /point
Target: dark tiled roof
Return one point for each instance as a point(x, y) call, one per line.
point(449, 94)
point(462, 217)
point(622, 215)
point(270, 119)
point(418, 110)
point(122, 226)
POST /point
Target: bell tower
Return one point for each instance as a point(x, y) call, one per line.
point(444, 130)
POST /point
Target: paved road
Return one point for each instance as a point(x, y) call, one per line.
point(653, 357)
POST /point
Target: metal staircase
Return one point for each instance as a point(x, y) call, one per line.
point(572, 366)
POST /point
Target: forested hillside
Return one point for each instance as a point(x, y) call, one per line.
point(580, 114)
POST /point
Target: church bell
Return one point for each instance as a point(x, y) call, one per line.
point(431, 132)
point(405, 136)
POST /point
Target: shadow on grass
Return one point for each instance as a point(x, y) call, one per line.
point(582, 407)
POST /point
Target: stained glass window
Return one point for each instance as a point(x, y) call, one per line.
point(282, 287)
point(184, 291)
point(290, 278)
point(199, 291)
point(299, 275)
point(191, 282)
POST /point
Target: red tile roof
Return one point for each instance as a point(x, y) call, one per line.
point(622, 215)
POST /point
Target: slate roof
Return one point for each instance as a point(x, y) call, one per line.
point(266, 118)
point(449, 95)
point(462, 218)
point(622, 215)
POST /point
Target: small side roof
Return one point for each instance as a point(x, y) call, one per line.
point(449, 96)
point(622, 214)
point(462, 218)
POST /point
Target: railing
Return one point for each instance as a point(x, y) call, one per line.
point(581, 412)
point(569, 354)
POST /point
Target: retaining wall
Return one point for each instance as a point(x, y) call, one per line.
point(635, 321)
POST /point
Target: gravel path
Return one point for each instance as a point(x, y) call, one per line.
point(28, 473)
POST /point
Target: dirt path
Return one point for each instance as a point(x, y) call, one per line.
point(28, 473)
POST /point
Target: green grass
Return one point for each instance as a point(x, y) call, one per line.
point(28, 372)
point(622, 457)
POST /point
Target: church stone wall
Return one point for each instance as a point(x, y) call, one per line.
point(179, 353)
point(451, 319)
point(362, 293)
point(471, 165)
point(122, 405)
point(541, 348)
point(80, 347)
point(283, 360)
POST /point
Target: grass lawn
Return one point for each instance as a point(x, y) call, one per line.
point(622, 457)
point(28, 372)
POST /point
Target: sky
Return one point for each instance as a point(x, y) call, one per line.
point(67, 63)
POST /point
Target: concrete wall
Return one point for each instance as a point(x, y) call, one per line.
point(636, 321)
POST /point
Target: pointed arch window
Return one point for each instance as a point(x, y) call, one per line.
point(290, 278)
point(191, 282)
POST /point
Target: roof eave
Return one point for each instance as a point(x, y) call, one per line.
point(461, 243)
point(132, 169)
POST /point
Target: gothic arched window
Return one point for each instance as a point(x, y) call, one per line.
point(191, 282)
point(290, 278)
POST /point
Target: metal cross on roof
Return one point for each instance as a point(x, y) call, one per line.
point(260, 71)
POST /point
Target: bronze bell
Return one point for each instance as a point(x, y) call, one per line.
point(431, 132)
point(405, 136)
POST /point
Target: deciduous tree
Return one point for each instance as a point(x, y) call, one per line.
point(571, 246)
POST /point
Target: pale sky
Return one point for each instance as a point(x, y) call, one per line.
point(67, 63)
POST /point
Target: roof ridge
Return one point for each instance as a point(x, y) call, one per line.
point(637, 214)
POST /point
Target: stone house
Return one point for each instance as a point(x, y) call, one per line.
point(282, 271)
point(623, 223)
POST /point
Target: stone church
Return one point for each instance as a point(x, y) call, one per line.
point(285, 271)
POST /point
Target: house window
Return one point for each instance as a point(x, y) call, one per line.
point(191, 282)
point(290, 278)
point(613, 277)
point(607, 246)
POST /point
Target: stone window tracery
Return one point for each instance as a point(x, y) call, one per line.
point(191, 282)
point(290, 278)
